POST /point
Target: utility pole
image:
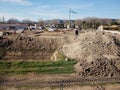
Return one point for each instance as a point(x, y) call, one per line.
point(0, 20)
point(3, 19)
point(70, 18)
point(71, 11)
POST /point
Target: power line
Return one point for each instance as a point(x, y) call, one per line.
point(70, 12)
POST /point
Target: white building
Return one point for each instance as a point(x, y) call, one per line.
point(100, 28)
point(1, 33)
point(32, 27)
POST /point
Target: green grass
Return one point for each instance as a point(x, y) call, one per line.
point(50, 67)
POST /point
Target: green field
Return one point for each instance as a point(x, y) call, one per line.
point(49, 67)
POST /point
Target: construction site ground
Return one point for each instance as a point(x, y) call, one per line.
point(56, 41)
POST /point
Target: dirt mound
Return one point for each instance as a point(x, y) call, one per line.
point(4, 44)
point(97, 53)
point(98, 66)
point(29, 47)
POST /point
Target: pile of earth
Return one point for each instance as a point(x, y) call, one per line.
point(98, 54)
point(29, 47)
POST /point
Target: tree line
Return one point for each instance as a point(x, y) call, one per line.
point(86, 23)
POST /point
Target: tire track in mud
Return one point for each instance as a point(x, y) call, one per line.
point(57, 83)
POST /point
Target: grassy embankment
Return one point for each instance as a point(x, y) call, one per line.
point(49, 67)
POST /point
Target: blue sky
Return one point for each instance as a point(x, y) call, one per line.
point(59, 9)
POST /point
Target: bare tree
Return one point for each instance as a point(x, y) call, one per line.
point(106, 21)
point(41, 22)
point(78, 22)
point(66, 22)
point(27, 21)
point(93, 22)
point(13, 21)
point(55, 22)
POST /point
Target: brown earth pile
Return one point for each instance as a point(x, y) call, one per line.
point(98, 54)
point(29, 47)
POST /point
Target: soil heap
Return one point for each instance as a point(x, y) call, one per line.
point(98, 54)
point(28, 47)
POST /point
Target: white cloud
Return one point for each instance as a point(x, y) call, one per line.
point(45, 11)
point(43, 7)
point(8, 16)
point(21, 2)
point(20, 17)
point(49, 15)
point(79, 6)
